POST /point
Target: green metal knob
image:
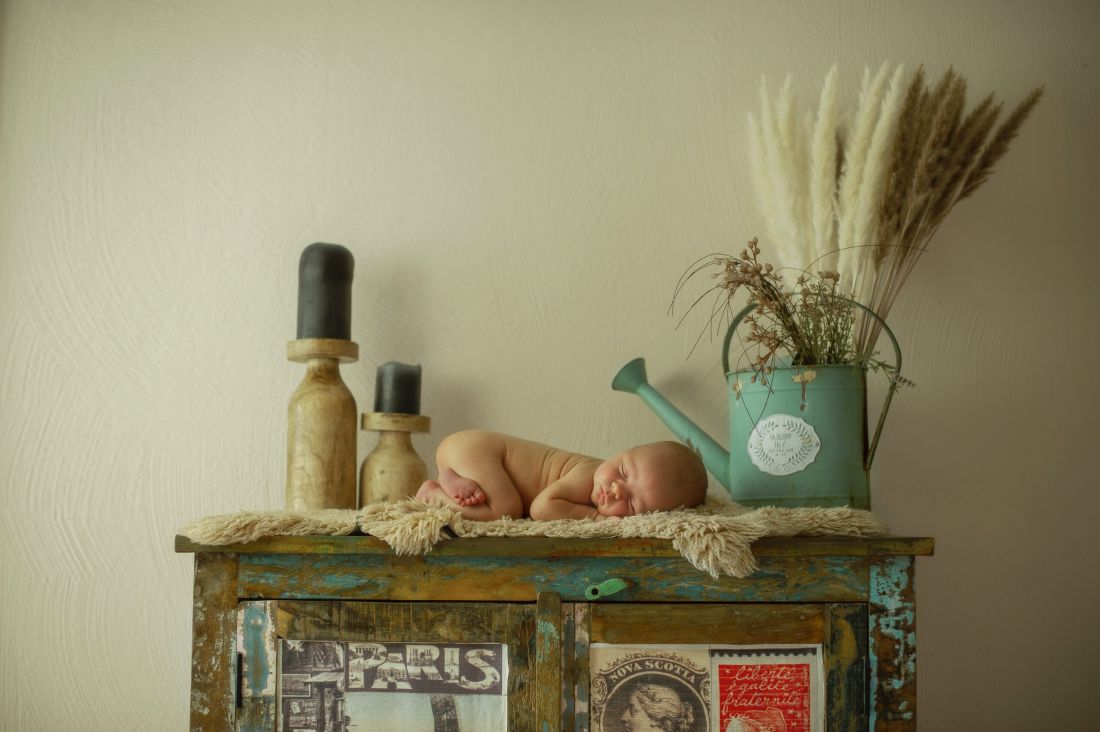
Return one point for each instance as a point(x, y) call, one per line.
point(607, 587)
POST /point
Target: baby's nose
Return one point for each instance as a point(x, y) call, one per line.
point(616, 490)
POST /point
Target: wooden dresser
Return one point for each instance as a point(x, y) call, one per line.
point(547, 603)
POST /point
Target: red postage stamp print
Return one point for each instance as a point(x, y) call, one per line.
point(772, 690)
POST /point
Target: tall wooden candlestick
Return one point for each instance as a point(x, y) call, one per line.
point(321, 436)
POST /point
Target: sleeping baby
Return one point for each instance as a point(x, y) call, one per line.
point(487, 475)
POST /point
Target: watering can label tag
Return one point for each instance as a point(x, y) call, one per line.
point(783, 444)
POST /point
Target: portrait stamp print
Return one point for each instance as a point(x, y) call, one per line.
point(638, 688)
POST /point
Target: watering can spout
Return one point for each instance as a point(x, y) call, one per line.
point(632, 379)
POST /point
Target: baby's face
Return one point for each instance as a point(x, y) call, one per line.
point(634, 481)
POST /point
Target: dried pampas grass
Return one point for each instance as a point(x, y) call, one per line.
point(936, 163)
point(872, 183)
point(867, 203)
point(852, 254)
point(824, 157)
point(776, 156)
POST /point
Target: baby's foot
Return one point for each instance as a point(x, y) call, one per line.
point(463, 491)
point(428, 489)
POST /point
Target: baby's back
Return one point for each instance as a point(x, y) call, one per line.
point(533, 466)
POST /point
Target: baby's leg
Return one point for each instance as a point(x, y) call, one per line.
point(430, 489)
point(478, 458)
point(464, 491)
point(431, 492)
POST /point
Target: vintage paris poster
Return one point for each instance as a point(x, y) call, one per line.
point(338, 686)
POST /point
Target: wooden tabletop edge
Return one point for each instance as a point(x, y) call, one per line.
point(549, 546)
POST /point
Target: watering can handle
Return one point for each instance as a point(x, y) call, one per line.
point(893, 382)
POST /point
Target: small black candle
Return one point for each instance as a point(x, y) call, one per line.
point(397, 388)
point(324, 291)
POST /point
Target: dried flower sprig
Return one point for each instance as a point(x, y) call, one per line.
point(810, 325)
point(732, 273)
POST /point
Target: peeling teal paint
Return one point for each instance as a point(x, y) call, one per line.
point(892, 622)
point(548, 641)
point(669, 579)
point(256, 662)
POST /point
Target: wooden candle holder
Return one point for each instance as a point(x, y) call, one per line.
point(392, 470)
point(321, 437)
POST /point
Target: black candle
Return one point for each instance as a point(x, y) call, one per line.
point(397, 388)
point(324, 291)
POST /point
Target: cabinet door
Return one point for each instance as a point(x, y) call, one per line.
point(343, 659)
point(691, 632)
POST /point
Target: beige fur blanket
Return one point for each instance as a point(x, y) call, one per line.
point(716, 537)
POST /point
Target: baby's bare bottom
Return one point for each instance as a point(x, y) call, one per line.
point(472, 478)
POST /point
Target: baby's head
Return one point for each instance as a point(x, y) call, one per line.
point(660, 476)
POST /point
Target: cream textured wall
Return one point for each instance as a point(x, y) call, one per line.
point(520, 183)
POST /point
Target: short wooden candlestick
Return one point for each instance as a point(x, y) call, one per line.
point(321, 438)
point(392, 470)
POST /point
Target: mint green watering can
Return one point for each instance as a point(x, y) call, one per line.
point(799, 440)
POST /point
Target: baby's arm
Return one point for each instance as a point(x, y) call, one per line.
point(566, 498)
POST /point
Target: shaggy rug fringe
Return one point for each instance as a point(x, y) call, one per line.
point(716, 537)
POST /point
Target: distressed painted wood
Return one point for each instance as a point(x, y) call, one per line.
point(582, 637)
point(568, 667)
point(258, 666)
point(512, 624)
point(541, 547)
point(519, 579)
point(846, 669)
point(892, 631)
point(548, 649)
point(213, 656)
point(709, 623)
